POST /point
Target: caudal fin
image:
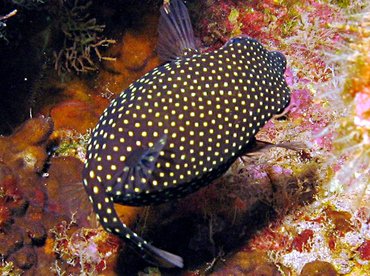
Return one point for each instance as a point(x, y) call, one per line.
point(162, 258)
point(109, 219)
point(175, 33)
point(149, 252)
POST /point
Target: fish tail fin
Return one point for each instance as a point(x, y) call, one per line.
point(175, 32)
point(149, 252)
point(163, 258)
point(109, 219)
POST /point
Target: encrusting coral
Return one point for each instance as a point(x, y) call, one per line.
point(31, 204)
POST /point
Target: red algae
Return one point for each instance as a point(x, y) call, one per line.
point(302, 241)
point(84, 250)
point(262, 20)
point(341, 220)
point(364, 250)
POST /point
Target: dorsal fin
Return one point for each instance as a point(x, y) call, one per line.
point(138, 169)
point(175, 33)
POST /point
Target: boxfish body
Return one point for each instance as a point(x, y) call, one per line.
point(182, 124)
point(179, 127)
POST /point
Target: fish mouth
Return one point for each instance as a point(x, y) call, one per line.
point(279, 59)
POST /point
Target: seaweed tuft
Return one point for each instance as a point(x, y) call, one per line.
point(80, 51)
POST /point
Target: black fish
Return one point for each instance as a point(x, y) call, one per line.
point(181, 125)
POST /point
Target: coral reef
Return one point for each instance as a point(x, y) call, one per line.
point(351, 141)
point(84, 101)
point(23, 217)
point(329, 111)
point(135, 55)
point(33, 207)
point(319, 232)
point(58, 175)
point(282, 212)
point(46, 35)
point(85, 251)
point(248, 263)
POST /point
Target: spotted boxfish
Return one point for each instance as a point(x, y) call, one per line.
point(181, 125)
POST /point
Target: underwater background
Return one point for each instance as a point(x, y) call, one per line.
point(282, 212)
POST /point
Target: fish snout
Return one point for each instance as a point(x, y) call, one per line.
point(279, 59)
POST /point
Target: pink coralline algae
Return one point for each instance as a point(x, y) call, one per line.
point(362, 109)
point(300, 102)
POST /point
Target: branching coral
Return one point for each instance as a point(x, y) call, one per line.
point(82, 41)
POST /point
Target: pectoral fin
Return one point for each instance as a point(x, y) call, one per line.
point(138, 169)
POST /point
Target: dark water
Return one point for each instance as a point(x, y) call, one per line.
point(34, 33)
point(19, 67)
